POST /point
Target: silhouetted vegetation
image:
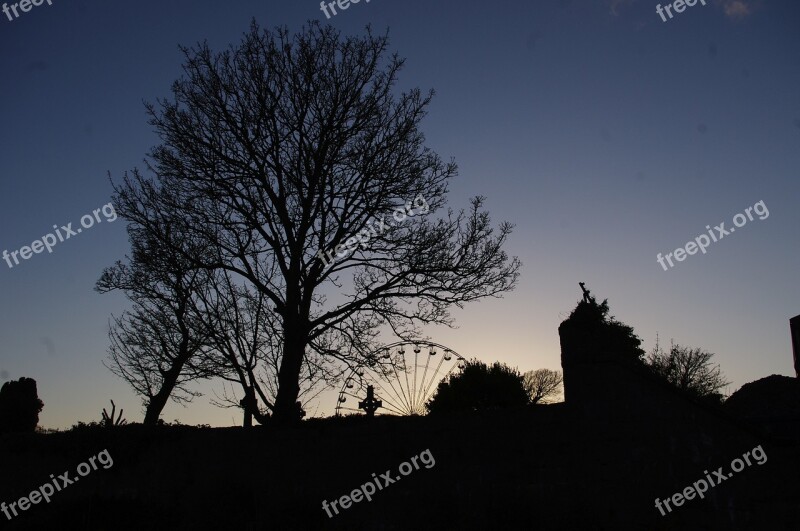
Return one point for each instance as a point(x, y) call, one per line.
point(109, 421)
point(604, 333)
point(542, 385)
point(690, 370)
point(19, 406)
point(156, 346)
point(774, 395)
point(479, 386)
point(280, 160)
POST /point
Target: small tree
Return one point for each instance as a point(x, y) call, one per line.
point(689, 369)
point(479, 386)
point(156, 346)
point(542, 385)
point(19, 406)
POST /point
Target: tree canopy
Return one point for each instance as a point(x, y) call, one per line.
point(479, 386)
point(299, 169)
point(542, 385)
point(688, 369)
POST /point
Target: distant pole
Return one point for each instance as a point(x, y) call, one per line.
point(794, 325)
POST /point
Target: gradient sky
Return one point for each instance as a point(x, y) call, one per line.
point(604, 134)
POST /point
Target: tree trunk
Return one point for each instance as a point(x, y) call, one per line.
point(286, 410)
point(248, 404)
point(157, 403)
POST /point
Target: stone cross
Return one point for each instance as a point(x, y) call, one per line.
point(369, 404)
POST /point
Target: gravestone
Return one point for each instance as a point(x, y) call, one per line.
point(370, 404)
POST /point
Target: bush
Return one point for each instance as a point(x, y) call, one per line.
point(689, 369)
point(478, 386)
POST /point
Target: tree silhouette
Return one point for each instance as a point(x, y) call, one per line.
point(542, 384)
point(19, 406)
point(242, 337)
point(688, 369)
point(285, 156)
point(479, 386)
point(155, 346)
point(245, 345)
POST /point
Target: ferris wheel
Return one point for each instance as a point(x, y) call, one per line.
point(403, 375)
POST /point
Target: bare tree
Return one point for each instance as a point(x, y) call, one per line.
point(542, 385)
point(154, 346)
point(689, 369)
point(239, 335)
point(245, 345)
point(287, 155)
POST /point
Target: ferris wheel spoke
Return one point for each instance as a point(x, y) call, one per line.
point(414, 389)
point(407, 390)
point(423, 390)
point(386, 377)
point(351, 395)
point(449, 372)
point(387, 396)
point(404, 390)
point(433, 378)
point(397, 398)
point(401, 393)
point(395, 409)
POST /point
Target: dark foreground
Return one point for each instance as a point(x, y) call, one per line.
point(545, 467)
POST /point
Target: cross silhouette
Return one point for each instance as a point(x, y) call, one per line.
point(369, 404)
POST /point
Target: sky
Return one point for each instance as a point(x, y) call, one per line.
point(605, 134)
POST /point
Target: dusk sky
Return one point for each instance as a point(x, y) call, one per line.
point(606, 135)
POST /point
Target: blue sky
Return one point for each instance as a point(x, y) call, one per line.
point(604, 134)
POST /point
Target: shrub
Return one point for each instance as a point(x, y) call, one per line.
point(479, 386)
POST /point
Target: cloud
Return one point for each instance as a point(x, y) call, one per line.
point(737, 9)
